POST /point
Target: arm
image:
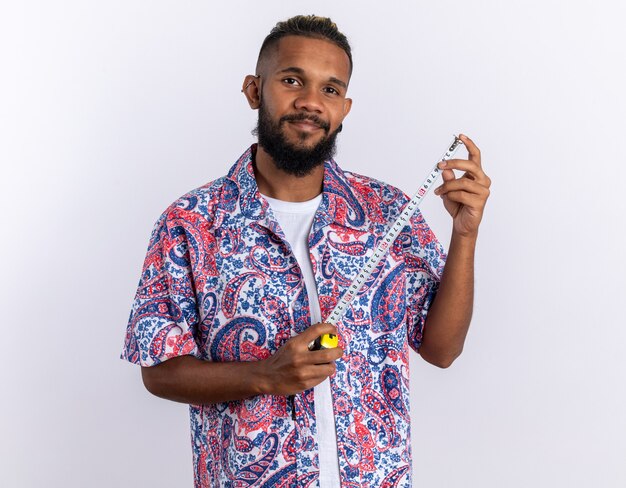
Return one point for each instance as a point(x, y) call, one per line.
point(450, 314)
point(292, 369)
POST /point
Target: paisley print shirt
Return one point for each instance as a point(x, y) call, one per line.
point(220, 283)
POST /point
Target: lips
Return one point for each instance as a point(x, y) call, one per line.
point(307, 123)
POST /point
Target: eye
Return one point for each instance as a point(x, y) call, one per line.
point(331, 91)
point(291, 81)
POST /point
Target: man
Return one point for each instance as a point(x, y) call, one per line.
point(238, 270)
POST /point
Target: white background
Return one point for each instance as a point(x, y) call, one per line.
point(111, 110)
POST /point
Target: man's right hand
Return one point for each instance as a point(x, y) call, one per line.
point(294, 368)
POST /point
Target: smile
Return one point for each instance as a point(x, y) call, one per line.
point(305, 125)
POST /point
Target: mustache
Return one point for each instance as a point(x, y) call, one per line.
point(309, 118)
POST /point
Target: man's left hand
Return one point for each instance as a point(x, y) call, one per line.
point(464, 198)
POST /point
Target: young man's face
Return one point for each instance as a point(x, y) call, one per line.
point(303, 102)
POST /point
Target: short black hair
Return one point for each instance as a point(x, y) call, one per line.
point(306, 26)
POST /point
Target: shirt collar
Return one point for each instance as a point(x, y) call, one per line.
point(339, 203)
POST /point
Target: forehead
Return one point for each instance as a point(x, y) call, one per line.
point(314, 56)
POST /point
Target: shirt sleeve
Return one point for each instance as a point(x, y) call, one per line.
point(424, 263)
point(164, 315)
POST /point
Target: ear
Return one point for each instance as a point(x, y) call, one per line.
point(347, 106)
point(251, 88)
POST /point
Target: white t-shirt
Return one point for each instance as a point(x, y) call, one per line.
point(296, 219)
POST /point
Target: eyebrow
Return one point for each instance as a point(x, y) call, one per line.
point(300, 71)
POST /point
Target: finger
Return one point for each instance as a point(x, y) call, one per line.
point(328, 369)
point(462, 164)
point(462, 184)
point(448, 175)
point(472, 170)
point(315, 331)
point(320, 357)
point(316, 374)
point(448, 166)
point(324, 356)
point(467, 200)
point(472, 149)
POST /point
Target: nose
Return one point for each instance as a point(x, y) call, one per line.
point(309, 100)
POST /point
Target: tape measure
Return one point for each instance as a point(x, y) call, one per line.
point(325, 341)
point(381, 250)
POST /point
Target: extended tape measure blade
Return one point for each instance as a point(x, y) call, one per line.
point(394, 230)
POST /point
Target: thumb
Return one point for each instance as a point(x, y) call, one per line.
point(317, 330)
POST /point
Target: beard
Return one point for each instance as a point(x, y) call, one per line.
point(295, 159)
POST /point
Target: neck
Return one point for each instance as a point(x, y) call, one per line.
point(276, 183)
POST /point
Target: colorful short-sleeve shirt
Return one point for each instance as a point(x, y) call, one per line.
point(220, 283)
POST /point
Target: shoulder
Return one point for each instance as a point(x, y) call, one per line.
point(371, 185)
point(199, 206)
point(380, 200)
point(206, 201)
